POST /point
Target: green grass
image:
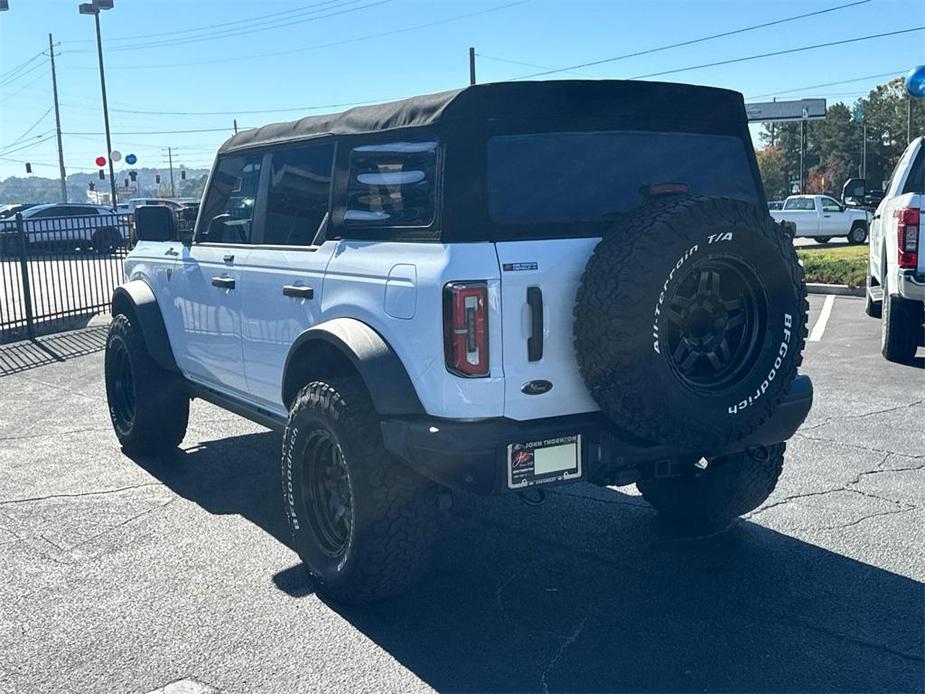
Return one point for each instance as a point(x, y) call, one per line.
point(836, 265)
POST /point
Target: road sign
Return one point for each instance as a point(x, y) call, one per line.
point(859, 114)
point(770, 111)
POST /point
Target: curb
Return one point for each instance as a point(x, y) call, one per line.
point(837, 289)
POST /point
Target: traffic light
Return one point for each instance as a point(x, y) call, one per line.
point(157, 178)
point(28, 167)
point(182, 174)
point(102, 175)
point(133, 174)
point(126, 183)
point(92, 185)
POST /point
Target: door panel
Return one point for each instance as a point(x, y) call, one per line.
point(273, 319)
point(207, 331)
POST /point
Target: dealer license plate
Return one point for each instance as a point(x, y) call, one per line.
point(544, 461)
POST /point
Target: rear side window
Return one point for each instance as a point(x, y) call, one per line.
point(915, 181)
point(297, 198)
point(567, 181)
point(228, 212)
point(392, 185)
point(800, 204)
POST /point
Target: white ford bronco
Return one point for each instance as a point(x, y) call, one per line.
point(487, 290)
point(896, 277)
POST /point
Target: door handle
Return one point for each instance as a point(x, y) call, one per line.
point(223, 282)
point(298, 292)
point(228, 257)
point(171, 251)
point(535, 341)
point(826, 216)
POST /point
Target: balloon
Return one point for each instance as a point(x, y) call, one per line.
point(101, 161)
point(915, 82)
point(115, 155)
point(130, 159)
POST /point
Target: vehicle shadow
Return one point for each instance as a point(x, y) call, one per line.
point(590, 592)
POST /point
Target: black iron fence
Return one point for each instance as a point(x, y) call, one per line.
point(58, 269)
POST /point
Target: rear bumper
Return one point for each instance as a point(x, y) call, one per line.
point(472, 455)
point(909, 285)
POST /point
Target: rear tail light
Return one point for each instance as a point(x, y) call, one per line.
point(908, 229)
point(465, 328)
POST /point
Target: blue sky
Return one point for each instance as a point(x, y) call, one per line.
point(163, 73)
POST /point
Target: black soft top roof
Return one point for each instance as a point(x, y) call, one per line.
point(513, 101)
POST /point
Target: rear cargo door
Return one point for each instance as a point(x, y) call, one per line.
point(539, 280)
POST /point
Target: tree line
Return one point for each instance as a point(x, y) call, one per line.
point(835, 144)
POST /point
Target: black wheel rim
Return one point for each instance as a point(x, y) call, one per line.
point(122, 380)
point(715, 316)
point(328, 494)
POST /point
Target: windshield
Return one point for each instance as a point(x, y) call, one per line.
point(587, 179)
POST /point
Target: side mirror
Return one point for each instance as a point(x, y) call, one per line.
point(854, 188)
point(155, 223)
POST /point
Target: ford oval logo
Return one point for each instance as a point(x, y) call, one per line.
point(536, 387)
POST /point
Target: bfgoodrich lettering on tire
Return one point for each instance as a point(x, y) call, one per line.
point(362, 522)
point(690, 320)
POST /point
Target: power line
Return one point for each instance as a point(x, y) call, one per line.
point(161, 132)
point(28, 84)
point(344, 42)
point(251, 112)
point(776, 53)
point(244, 31)
point(691, 42)
point(29, 144)
point(827, 84)
point(28, 130)
point(208, 27)
point(533, 65)
point(9, 72)
point(20, 75)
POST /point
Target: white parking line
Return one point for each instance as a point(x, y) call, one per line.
point(819, 327)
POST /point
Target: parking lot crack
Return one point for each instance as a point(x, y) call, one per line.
point(891, 512)
point(845, 488)
point(568, 641)
point(29, 499)
point(50, 434)
point(828, 420)
point(125, 522)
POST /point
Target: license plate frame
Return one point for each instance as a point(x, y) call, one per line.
point(544, 461)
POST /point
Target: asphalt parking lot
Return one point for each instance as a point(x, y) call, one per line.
point(120, 575)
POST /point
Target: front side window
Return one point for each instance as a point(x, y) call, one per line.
point(915, 181)
point(392, 185)
point(228, 212)
point(829, 205)
point(563, 182)
point(297, 198)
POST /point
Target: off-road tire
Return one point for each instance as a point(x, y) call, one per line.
point(153, 418)
point(394, 510)
point(899, 332)
point(621, 348)
point(858, 234)
point(730, 487)
point(822, 239)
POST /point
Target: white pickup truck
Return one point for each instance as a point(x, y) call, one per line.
point(896, 277)
point(821, 217)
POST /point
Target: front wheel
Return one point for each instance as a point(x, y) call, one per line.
point(148, 409)
point(729, 487)
point(362, 522)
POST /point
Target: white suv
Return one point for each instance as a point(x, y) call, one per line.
point(489, 290)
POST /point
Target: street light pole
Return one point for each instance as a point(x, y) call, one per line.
point(94, 8)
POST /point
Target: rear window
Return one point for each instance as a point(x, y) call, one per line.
point(588, 179)
point(392, 185)
point(800, 204)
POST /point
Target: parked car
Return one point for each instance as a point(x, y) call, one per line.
point(821, 218)
point(775, 204)
point(66, 225)
point(7, 211)
point(494, 289)
point(896, 264)
point(167, 202)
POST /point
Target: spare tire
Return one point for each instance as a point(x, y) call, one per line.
point(690, 320)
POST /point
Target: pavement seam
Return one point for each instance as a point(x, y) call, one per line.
point(569, 640)
point(895, 408)
point(79, 494)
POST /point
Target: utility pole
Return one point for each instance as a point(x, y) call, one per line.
point(235, 126)
point(471, 65)
point(802, 152)
point(908, 119)
point(173, 193)
point(864, 152)
point(54, 91)
point(99, 50)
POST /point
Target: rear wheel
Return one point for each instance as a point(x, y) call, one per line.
point(106, 240)
point(858, 234)
point(148, 409)
point(362, 522)
point(729, 487)
point(900, 329)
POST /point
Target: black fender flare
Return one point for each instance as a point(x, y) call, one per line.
point(378, 365)
point(136, 299)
